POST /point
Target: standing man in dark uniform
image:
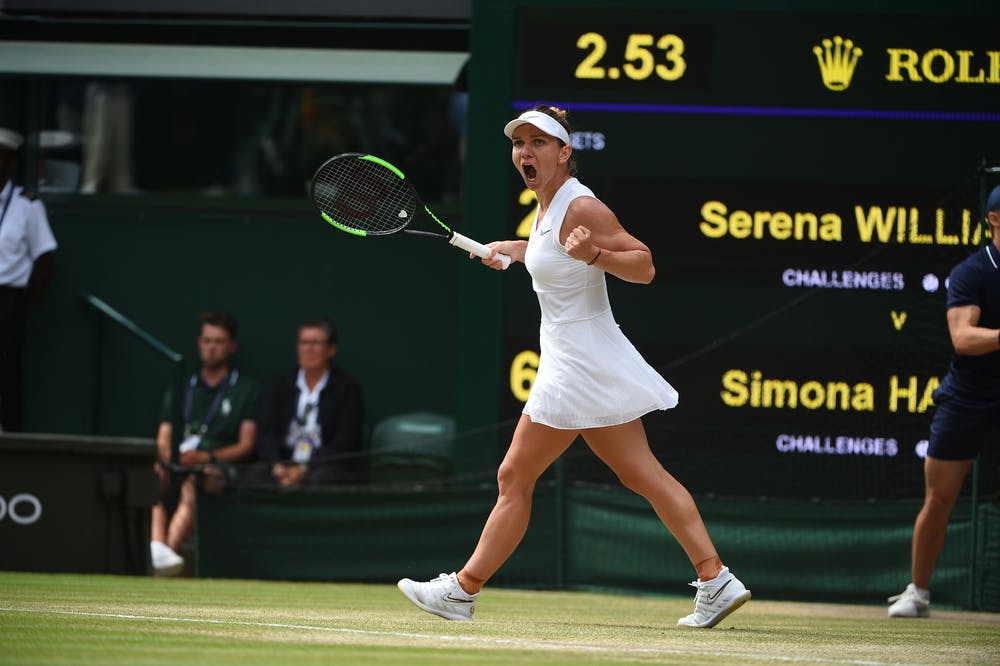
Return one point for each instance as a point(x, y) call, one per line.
point(27, 247)
point(967, 408)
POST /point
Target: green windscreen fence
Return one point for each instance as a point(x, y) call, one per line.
point(597, 538)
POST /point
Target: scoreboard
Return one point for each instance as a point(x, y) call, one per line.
point(805, 180)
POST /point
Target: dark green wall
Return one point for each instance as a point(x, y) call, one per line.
point(592, 537)
point(162, 261)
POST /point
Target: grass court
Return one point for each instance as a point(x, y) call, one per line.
point(81, 620)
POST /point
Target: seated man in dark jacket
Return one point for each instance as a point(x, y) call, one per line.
point(312, 421)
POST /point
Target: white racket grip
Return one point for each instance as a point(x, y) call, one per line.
point(478, 249)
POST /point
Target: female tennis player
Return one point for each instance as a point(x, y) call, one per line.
point(591, 381)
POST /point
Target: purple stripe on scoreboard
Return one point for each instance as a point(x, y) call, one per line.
point(772, 111)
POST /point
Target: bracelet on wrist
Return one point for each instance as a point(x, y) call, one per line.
point(596, 257)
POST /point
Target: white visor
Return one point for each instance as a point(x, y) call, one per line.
point(542, 121)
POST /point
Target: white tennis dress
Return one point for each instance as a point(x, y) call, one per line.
point(589, 374)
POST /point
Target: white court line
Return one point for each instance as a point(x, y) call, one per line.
point(506, 642)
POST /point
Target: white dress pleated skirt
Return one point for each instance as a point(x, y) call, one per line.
point(590, 375)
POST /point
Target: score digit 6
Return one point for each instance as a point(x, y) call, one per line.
point(523, 370)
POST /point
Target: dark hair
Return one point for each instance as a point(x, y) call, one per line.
point(223, 320)
point(560, 117)
point(325, 325)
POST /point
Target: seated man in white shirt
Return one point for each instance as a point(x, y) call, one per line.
point(312, 420)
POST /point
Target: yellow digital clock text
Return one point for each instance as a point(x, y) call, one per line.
point(640, 58)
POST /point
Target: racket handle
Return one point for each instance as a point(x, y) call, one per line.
point(478, 249)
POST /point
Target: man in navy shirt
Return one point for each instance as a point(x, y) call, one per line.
point(967, 407)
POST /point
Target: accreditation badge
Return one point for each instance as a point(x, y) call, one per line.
point(306, 442)
point(190, 443)
point(302, 452)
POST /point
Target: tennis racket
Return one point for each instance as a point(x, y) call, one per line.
point(366, 196)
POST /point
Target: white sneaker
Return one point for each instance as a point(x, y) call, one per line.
point(715, 599)
point(913, 602)
point(165, 561)
point(442, 596)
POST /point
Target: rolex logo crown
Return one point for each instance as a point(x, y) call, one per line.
point(837, 59)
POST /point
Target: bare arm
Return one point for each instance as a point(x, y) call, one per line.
point(242, 450)
point(968, 338)
point(514, 249)
point(163, 436)
point(591, 233)
point(244, 447)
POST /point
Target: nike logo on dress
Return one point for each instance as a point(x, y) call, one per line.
point(713, 597)
point(542, 233)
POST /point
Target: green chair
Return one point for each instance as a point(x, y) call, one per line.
point(414, 448)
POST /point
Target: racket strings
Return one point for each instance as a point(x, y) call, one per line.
point(363, 195)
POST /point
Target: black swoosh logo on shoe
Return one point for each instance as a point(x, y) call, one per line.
point(456, 600)
point(712, 597)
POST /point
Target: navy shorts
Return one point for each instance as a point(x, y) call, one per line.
point(960, 431)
